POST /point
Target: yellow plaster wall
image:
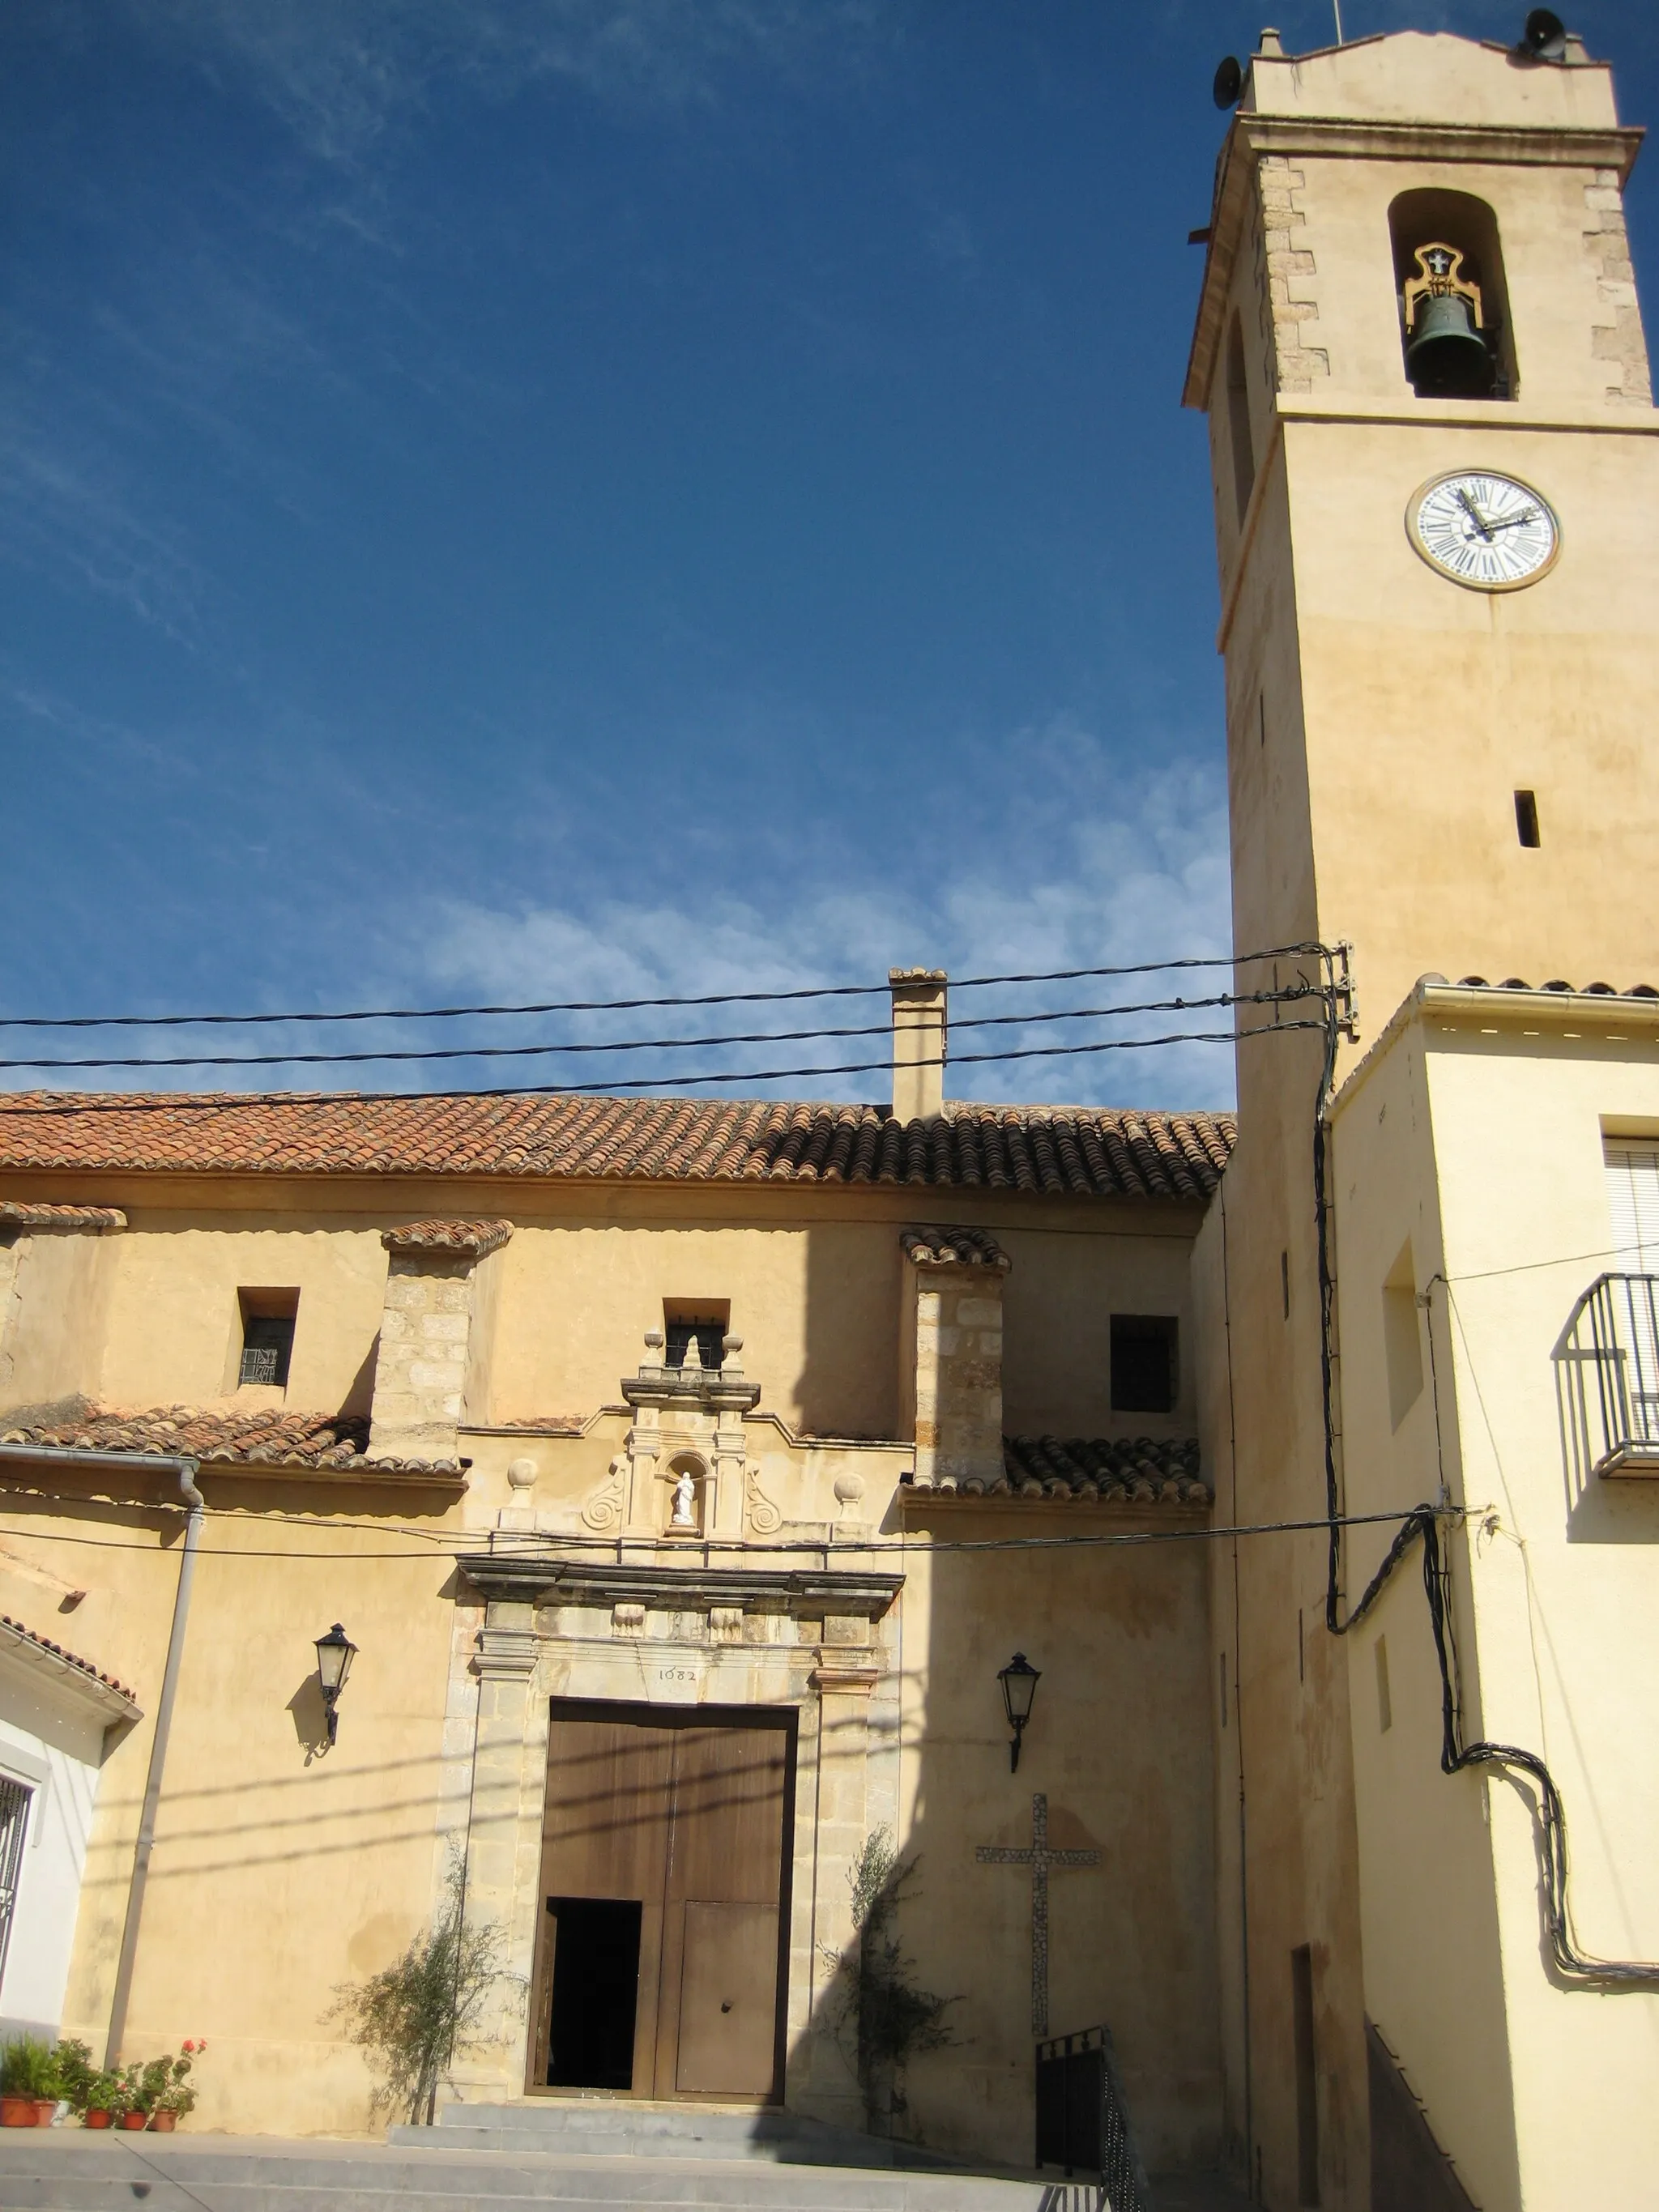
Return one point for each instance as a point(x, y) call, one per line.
point(1486, 1145)
point(278, 1871)
point(1118, 1743)
point(54, 1298)
point(813, 1286)
point(1565, 1586)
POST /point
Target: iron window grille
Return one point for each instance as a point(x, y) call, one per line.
point(709, 1337)
point(1610, 1352)
point(267, 1345)
point(14, 1798)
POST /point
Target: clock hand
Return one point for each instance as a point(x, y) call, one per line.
point(1513, 521)
point(1473, 513)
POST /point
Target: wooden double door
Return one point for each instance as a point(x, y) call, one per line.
point(661, 1957)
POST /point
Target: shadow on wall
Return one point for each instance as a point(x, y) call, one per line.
point(1074, 1892)
point(849, 1381)
point(1606, 1364)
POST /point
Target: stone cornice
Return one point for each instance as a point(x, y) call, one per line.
point(680, 1388)
point(544, 1578)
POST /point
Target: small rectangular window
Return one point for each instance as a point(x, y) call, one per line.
point(1285, 1281)
point(1526, 818)
point(704, 1325)
point(1223, 1688)
point(1384, 1700)
point(267, 1347)
point(1144, 1363)
point(268, 1318)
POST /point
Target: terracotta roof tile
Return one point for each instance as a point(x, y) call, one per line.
point(1079, 1151)
point(69, 1658)
point(932, 1247)
point(1094, 1470)
point(1557, 986)
point(475, 1238)
point(254, 1436)
point(14, 1214)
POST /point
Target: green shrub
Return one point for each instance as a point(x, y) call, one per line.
point(29, 2069)
point(882, 2013)
point(413, 2017)
point(106, 2092)
point(75, 2071)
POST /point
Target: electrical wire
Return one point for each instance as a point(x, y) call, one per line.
point(438, 1550)
point(630, 1005)
point(39, 1104)
point(663, 1044)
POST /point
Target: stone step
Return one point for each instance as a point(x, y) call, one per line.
point(70, 2170)
point(638, 2128)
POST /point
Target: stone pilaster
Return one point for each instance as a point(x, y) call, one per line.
point(953, 1338)
point(503, 1846)
point(432, 1364)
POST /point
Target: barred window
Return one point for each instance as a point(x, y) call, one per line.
point(14, 1799)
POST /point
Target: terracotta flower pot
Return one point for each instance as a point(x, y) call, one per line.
point(164, 2123)
point(45, 2112)
point(95, 2116)
point(135, 2120)
point(17, 2112)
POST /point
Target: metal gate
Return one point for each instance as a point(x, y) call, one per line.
point(1082, 2123)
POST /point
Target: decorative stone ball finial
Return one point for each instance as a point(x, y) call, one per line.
point(521, 1473)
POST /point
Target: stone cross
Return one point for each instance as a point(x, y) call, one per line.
point(1039, 1857)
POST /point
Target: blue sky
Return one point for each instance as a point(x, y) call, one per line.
point(579, 498)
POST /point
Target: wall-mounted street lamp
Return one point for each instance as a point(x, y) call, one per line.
point(1019, 1679)
point(335, 1652)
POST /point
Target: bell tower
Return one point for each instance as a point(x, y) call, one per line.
point(1418, 273)
point(1435, 465)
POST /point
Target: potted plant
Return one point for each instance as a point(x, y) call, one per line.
point(75, 2071)
point(28, 2080)
point(105, 2092)
point(134, 2105)
point(173, 2095)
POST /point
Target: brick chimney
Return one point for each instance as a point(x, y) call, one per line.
point(918, 1042)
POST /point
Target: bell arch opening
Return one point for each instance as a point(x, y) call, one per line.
point(1455, 334)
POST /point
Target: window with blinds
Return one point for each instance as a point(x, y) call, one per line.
point(1625, 1304)
point(1633, 1193)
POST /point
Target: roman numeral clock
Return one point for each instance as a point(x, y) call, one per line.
point(1490, 533)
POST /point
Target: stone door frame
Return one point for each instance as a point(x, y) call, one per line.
point(642, 1631)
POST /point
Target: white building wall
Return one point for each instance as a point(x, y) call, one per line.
point(55, 1749)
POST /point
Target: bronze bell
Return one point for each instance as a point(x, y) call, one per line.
point(1447, 355)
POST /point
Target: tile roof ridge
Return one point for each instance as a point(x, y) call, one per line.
point(27, 1635)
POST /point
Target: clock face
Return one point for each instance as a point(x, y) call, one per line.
point(1487, 532)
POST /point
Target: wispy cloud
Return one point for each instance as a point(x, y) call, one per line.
point(70, 513)
point(1067, 882)
point(344, 75)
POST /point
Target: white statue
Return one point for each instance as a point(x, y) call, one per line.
point(684, 1515)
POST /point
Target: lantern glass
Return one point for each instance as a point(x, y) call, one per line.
point(335, 1652)
point(1019, 1680)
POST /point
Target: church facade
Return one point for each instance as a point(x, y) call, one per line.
point(687, 1477)
point(684, 1476)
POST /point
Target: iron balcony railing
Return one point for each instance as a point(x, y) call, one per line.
point(1613, 1342)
